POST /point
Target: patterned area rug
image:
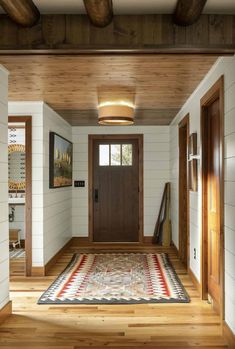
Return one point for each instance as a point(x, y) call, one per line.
point(111, 278)
point(17, 253)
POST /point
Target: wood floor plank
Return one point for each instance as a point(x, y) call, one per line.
point(193, 325)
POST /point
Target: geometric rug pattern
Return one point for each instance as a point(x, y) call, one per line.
point(17, 253)
point(116, 278)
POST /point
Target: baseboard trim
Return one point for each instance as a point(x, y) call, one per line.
point(228, 335)
point(5, 312)
point(38, 271)
point(54, 259)
point(190, 272)
point(194, 280)
point(175, 248)
point(148, 240)
point(43, 271)
point(79, 240)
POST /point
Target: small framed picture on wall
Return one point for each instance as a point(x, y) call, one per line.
point(192, 173)
point(192, 145)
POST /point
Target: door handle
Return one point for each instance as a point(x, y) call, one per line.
point(96, 195)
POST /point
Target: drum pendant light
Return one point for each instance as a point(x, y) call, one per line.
point(116, 113)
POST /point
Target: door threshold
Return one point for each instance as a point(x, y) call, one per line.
point(117, 242)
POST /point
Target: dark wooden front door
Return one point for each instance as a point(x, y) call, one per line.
point(115, 190)
point(213, 204)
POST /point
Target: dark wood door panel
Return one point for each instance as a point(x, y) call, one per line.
point(115, 196)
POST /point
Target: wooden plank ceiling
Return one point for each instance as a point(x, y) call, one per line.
point(158, 85)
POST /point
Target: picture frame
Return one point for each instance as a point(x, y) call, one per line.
point(193, 175)
point(192, 145)
point(60, 161)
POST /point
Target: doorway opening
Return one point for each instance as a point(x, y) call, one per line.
point(184, 192)
point(20, 194)
point(212, 133)
point(116, 188)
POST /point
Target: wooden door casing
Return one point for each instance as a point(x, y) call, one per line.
point(213, 201)
point(118, 214)
point(212, 140)
point(183, 191)
point(27, 120)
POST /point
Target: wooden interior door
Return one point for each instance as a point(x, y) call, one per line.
point(115, 190)
point(183, 191)
point(212, 136)
point(213, 202)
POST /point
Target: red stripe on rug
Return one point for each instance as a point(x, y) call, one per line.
point(83, 259)
point(149, 283)
point(162, 275)
point(86, 278)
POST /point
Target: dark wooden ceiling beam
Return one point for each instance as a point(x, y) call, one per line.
point(22, 12)
point(188, 12)
point(74, 34)
point(100, 12)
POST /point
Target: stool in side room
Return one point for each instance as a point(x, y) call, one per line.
point(14, 238)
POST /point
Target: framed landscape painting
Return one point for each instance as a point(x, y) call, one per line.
point(60, 158)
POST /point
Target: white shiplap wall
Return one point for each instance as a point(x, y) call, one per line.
point(51, 208)
point(57, 203)
point(156, 171)
point(224, 66)
point(4, 229)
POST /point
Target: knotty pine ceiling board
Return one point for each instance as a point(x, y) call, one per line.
point(74, 85)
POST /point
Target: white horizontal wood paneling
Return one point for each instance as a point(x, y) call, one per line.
point(4, 227)
point(57, 203)
point(51, 208)
point(156, 171)
point(229, 122)
point(226, 67)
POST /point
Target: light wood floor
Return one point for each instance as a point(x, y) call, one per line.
point(17, 267)
point(193, 325)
